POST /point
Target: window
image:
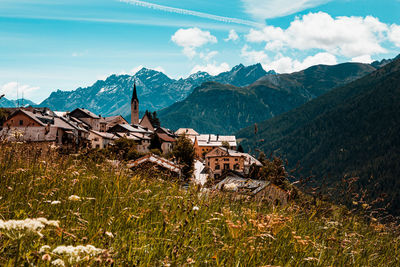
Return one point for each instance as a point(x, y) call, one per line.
point(236, 166)
point(225, 159)
point(236, 159)
point(226, 166)
point(97, 146)
point(216, 159)
point(21, 122)
point(217, 167)
point(96, 139)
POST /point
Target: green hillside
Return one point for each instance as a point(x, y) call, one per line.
point(224, 109)
point(352, 131)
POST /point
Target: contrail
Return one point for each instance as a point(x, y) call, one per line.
point(192, 13)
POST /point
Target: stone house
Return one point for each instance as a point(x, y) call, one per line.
point(100, 139)
point(222, 159)
point(204, 143)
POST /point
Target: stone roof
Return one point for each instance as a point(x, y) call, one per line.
point(160, 161)
point(186, 131)
point(249, 159)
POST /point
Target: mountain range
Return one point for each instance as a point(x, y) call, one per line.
point(155, 89)
point(4, 102)
point(351, 131)
point(220, 108)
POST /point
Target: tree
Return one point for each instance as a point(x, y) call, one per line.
point(183, 152)
point(226, 144)
point(240, 149)
point(154, 120)
point(125, 149)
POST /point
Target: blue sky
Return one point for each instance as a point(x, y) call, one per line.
point(47, 45)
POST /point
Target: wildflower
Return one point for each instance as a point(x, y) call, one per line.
point(355, 203)
point(55, 202)
point(74, 198)
point(44, 248)
point(17, 228)
point(195, 208)
point(109, 234)
point(310, 259)
point(75, 254)
point(46, 257)
point(58, 262)
point(190, 261)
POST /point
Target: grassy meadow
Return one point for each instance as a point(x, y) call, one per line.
point(108, 215)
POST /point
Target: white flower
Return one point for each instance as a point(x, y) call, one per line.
point(76, 254)
point(19, 228)
point(58, 262)
point(55, 202)
point(196, 208)
point(74, 198)
point(44, 248)
point(109, 234)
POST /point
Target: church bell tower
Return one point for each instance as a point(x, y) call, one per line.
point(134, 106)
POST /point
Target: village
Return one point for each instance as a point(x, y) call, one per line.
point(218, 160)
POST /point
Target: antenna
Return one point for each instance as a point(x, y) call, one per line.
point(17, 95)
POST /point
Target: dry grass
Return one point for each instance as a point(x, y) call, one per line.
point(146, 221)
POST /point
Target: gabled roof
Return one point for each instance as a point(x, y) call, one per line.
point(165, 137)
point(110, 136)
point(236, 183)
point(160, 161)
point(86, 112)
point(186, 131)
point(225, 152)
point(113, 118)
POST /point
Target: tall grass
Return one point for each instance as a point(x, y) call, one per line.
point(147, 221)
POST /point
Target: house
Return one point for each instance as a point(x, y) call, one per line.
point(167, 138)
point(89, 118)
point(146, 123)
point(222, 159)
point(114, 120)
point(151, 163)
point(261, 190)
point(188, 132)
point(37, 125)
point(100, 139)
point(204, 143)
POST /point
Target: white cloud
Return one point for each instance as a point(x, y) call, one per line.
point(394, 34)
point(288, 65)
point(14, 89)
point(233, 36)
point(208, 56)
point(253, 56)
point(266, 9)
point(213, 69)
point(345, 36)
point(362, 59)
point(192, 38)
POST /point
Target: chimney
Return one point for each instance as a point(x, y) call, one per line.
point(217, 137)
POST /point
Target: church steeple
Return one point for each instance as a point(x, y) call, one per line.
point(134, 106)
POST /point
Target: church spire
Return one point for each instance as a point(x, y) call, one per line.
point(134, 94)
point(134, 106)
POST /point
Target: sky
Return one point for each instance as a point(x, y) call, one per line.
point(46, 45)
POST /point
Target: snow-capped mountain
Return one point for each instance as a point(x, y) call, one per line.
point(155, 89)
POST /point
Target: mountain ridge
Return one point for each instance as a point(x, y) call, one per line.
point(224, 109)
point(156, 90)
